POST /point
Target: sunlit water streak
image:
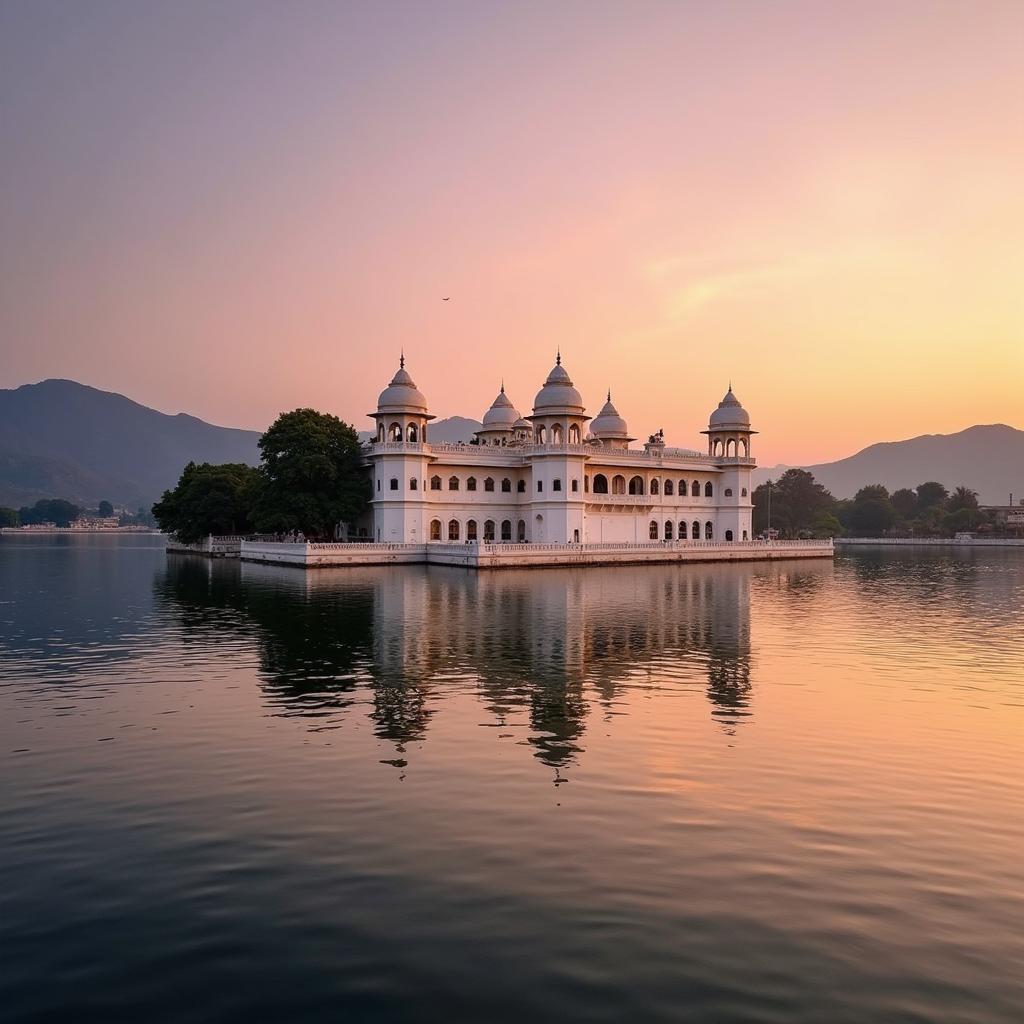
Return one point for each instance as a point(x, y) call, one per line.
point(789, 792)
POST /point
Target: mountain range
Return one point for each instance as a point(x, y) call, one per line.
point(988, 459)
point(61, 439)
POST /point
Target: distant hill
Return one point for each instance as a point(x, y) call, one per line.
point(61, 439)
point(988, 459)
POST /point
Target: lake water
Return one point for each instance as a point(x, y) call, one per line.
point(786, 792)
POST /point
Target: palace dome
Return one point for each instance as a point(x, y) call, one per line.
point(608, 422)
point(502, 414)
point(402, 395)
point(730, 414)
point(558, 395)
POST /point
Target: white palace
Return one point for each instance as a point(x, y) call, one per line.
point(555, 477)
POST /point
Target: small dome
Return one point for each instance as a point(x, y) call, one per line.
point(401, 395)
point(730, 414)
point(608, 422)
point(558, 395)
point(502, 414)
point(522, 424)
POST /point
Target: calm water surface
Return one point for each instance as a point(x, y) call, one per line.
point(788, 792)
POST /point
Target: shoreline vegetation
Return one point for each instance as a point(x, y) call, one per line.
point(311, 479)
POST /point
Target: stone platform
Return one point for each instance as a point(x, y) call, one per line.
point(486, 555)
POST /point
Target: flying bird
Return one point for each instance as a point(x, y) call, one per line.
point(445, 298)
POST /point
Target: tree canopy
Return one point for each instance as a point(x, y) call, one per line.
point(313, 475)
point(105, 509)
point(209, 499)
point(9, 517)
point(49, 510)
point(798, 505)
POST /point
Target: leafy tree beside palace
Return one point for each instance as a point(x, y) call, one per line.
point(215, 499)
point(311, 479)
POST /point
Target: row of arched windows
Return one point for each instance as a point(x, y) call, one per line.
point(731, 448)
point(618, 485)
point(454, 483)
point(557, 435)
point(394, 433)
point(454, 530)
point(683, 532)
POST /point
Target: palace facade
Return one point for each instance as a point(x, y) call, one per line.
point(556, 476)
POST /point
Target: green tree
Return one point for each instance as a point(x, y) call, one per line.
point(50, 510)
point(9, 517)
point(105, 509)
point(931, 495)
point(209, 499)
point(962, 498)
point(827, 525)
point(797, 502)
point(314, 475)
point(904, 501)
point(872, 512)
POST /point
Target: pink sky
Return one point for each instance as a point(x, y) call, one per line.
point(239, 208)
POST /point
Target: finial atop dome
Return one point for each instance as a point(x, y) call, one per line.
point(558, 356)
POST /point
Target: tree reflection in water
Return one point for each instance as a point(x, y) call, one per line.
point(551, 646)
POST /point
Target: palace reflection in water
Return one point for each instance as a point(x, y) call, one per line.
point(556, 645)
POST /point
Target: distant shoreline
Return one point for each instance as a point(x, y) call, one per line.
point(45, 530)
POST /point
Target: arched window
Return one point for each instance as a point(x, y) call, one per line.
point(411, 433)
point(716, 447)
point(520, 487)
point(655, 487)
point(453, 529)
point(746, 448)
point(556, 485)
point(471, 484)
point(728, 534)
point(489, 483)
point(556, 434)
point(668, 529)
point(380, 432)
point(540, 486)
point(574, 434)
point(541, 435)
point(600, 483)
point(575, 486)
point(435, 529)
point(489, 530)
point(652, 530)
point(682, 530)
point(708, 490)
point(744, 534)
point(506, 486)
point(696, 530)
point(709, 531)
point(669, 489)
point(395, 432)
point(636, 485)
point(435, 483)
point(506, 529)
point(394, 483)
point(728, 492)
point(618, 485)
point(453, 483)
point(521, 531)
point(414, 484)
point(471, 530)
point(730, 448)
point(695, 489)
point(743, 492)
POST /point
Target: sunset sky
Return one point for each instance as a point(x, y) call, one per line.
point(232, 209)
